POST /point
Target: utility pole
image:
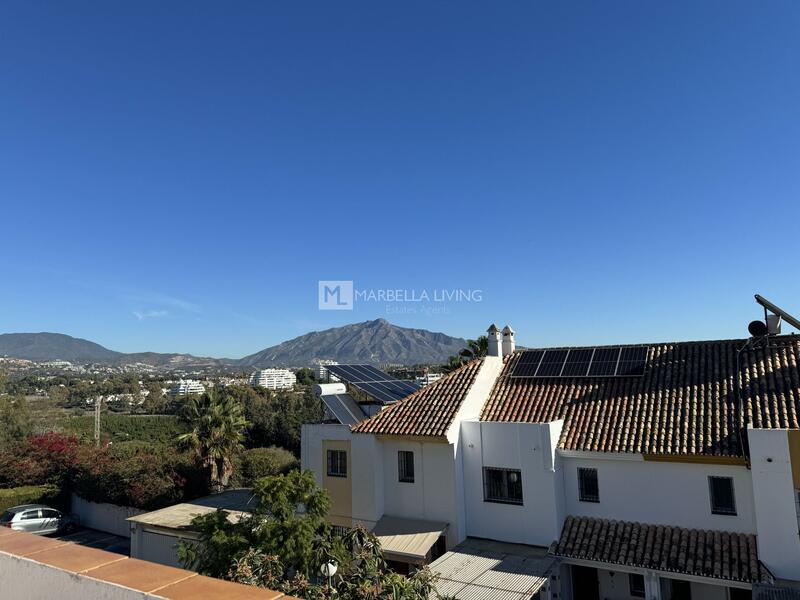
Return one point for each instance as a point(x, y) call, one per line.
point(98, 401)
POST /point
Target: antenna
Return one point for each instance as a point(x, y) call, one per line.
point(779, 312)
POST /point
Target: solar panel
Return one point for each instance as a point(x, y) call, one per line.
point(344, 408)
point(374, 382)
point(629, 361)
point(552, 363)
point(632, 361)
point(528, 363)
point(604, 362)
point(577, 363)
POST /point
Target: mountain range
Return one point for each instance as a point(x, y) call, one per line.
point(373, 342)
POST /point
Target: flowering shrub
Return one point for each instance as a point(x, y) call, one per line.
point(134, 474)
point(39, 460)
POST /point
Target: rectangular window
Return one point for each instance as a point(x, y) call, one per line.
point(722, 499)
point(337, 463)
point(588, 489)
point(502, 485)
point(405, 466)
point(636, 585)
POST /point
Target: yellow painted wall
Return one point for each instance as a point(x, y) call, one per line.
point(794, 455)
point(340, 489)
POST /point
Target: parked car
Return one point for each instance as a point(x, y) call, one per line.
point(38, 519)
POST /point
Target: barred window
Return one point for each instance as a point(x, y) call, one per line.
point(337, 463)
point(588, 488)
point(502, 485)
point(405, 466)
point(722, 498)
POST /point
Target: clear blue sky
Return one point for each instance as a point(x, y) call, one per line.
point(604, 172)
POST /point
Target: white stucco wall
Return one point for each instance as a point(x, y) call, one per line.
point(110, 518)
point(432, 496)
point(524, 446)
point(26, 579)
point(665, 493)
point(776, 517)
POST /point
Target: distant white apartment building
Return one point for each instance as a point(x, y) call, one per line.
point(187, 386)
point(427, 378)
point(273, 379)
point(322, 373)
point(663, 471)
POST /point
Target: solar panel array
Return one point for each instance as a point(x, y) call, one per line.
point(374, 382)
point(628, 361)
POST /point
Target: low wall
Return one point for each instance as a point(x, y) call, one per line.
point(104, 517)
point(24, 579)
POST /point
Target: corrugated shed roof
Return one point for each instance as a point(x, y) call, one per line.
point(482, 569)
point(428, 412)
point(714, 554)
point(684, 404)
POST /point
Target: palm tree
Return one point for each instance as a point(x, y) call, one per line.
point(475, 349)
point(216, 423)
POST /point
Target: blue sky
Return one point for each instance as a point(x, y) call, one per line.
point(179, 176)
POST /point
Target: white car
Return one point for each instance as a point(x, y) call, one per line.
point(38, 519)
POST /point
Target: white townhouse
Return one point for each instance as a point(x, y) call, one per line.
point(665, 471)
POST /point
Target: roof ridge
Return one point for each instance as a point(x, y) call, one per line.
point(780, 338)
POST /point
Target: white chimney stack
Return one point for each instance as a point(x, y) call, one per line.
point(509, 345)
point(494, 341)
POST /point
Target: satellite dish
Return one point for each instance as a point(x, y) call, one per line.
point(757, 328)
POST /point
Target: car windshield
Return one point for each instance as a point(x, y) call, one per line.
point(6, 517)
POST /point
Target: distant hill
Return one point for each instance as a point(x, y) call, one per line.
point(373, 342)
point(54, 346)
point(57, 346)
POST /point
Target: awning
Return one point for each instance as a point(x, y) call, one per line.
point(486, 570)
point(407, 540)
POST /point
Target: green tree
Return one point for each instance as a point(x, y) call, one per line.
point(305, 376)
point(155, 402)
point(275, 527)
point(216, 423)
point(16, 422)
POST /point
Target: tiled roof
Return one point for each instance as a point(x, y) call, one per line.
point(153, 580)
point(716, 554)
point(684, 404)
point(427, 412)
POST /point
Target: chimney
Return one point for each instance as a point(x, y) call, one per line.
point(494, 341)
point(509, 345)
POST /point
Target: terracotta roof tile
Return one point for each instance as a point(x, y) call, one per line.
point(684, 404)
point(716, 554)
point(427, 412)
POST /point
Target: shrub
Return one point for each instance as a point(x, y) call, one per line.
point(29, 494)
point(256, 463)
point(39, 460)
point(141, 475)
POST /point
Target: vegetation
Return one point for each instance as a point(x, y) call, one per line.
point(16, 422)
point(282, 548)
point(136, 474)
point(475, 349)
point(256, 463)
point(29, 494)
point(306, 376)
point(216, 423)
point(124, 428)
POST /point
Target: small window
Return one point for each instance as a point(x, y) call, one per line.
point(636, 585)
point(588, 489)
point(29, 515)
point(722, 498)
point(405, 466)
point(502, 485)
point(337, 463)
